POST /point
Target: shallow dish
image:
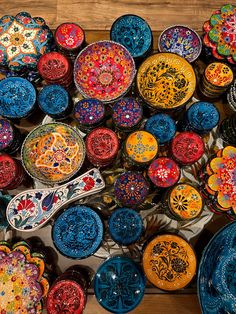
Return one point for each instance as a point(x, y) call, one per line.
point(104, 70)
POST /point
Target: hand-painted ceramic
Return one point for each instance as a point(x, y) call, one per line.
point(77, 232)
point(216, 274)
point(4, 201)
point(102, 146)
point(55, 101)
point(164, 172)
point(10, 137)
point(187, 147)
point(141, 147)
point(125, 226)
point(131, 189)
point(169, 262)
point(219, 74)
point(104, 70)
point(162, 126)
point(220, 33)
point(166, 81)
point(17, 97)
point(53, 152)
point(127, 113)
point(231, 96)
point(23, 40)
point(201, 117)
point(89, 112)
point(227, 130)
point(69, 36)
point(185, 201)
point(32, 209)
point(134, 33)
point(119, 285)
point(222, 181)
point(181, 40)
point(12, 172)
point(23, 285)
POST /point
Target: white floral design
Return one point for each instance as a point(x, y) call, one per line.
point(18, 39)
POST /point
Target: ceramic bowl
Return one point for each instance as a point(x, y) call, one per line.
point(104, 70)
point(181, 40)
point(53, 153)
point(166, 81)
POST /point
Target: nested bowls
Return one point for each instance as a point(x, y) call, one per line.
point(104, 70)
point(53, 153)
point(166, 81)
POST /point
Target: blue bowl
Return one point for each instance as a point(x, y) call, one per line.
point(134, 33)
point(216, 274)
point(119, 285)
point(77, 232)
point(125, 226)
point(4, 200)
point(17, 98)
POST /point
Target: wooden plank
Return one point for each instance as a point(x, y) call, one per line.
point(158, 304)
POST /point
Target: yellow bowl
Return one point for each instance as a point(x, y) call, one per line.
point(166, 81)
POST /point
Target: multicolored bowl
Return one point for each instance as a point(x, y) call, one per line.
point(53, 153)
point(104, 70)
point(166, 81)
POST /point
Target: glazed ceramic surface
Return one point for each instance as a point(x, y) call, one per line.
point(216, 274)
point(219, 74)
point(4, 201)
point(104, 70)
point(89, 112)
point(30, 210)
point(132, 32)
point(181, 40)
point(6, 134)
point(77, 232)
point(162, 126)
point(119, 285)
point(23, 40)
point(166, 81)
point(17, 97)
point(69, 36)
point(169, 262)
point(125, 226)
point(220, 33)
point(53, 152)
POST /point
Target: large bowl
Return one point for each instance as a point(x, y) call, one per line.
point(216, 274)
point(53, 153)
point(166, 81)
point(104, 70)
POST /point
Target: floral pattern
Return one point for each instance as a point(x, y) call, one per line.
point(185, 202)
point(220, 33)
point(219, 74)
point(181, 40)
point(141, 147)
point(7, 134)
point(166, 81)
point(169, 262)
point(23, 40)
point(32, 209)
point(53, 152)
point(222, 182)
point(104, 70)
point(89, 111)
point(69, 36)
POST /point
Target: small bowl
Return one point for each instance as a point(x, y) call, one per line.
point(166, 81)
point(181, 40)
point(104, 70)
point(53, 153)
point(133, 33)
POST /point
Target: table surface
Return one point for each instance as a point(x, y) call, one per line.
point(96, 17)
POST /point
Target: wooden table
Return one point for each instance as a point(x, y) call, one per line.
point(96, 17)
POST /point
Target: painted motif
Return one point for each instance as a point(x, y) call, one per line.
point(23, 40)
point(185, 201)
point(77, 232)
point(133, 33)
point(53, 152)
point(6, 134)
point(169, 262)
point(69, 36)
point(166, 81)
point(219, 74)
point(89, 111)
point(119, 285)
point(181, 40)
point(141, 147)
point(220, 33)
point(104, 70)
point(32, 209)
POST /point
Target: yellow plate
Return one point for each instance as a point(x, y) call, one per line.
point(166, 81)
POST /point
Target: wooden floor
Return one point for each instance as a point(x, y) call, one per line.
point(96, 17)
